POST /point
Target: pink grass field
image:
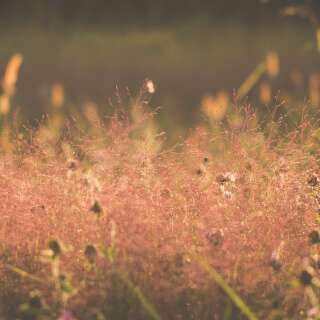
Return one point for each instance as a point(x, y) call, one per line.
point(241, 200)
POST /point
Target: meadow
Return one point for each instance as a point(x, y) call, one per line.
point(116, 214)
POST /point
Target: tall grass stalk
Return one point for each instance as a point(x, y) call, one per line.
point(216, 277)
point(251, 80)
point(25, 274)
point(146, 304)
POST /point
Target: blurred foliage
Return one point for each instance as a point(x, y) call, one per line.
point(140, 12)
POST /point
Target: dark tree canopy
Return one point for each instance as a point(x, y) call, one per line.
point(139, 12)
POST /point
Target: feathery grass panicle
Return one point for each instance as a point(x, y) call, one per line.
point(11, 74)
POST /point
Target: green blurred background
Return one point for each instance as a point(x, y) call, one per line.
point(188, 48)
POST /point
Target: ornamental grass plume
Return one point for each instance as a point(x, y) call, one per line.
point(164, 214)
point(9, 82)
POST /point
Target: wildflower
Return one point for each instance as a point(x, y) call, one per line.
point(305, 278)
point(314, 237)
point(97, 209)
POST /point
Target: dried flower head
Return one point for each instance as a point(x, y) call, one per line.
point(97, 209)
point(314, 237)
point(305, 278)
point(221, 179)
point(72, 165)
point(313, 181)
point(56, 247)
point(90, 253)
point(35, 300)
point(226, 177)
